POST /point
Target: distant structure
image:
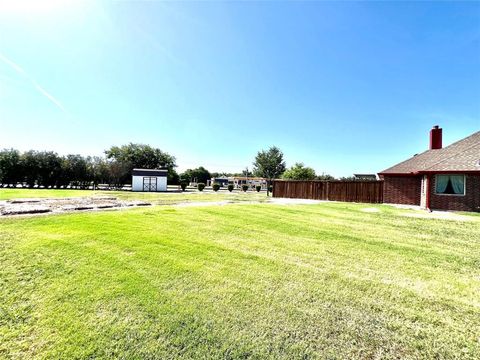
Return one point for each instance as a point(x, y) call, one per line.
point(149, 180)
point(365, 177)
point(221, 180)
point(238, 181)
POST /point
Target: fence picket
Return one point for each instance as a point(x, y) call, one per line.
point(349, 191)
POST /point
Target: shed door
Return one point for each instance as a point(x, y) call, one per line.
point(149, 184)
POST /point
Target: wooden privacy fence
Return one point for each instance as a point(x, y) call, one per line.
point(350, 191)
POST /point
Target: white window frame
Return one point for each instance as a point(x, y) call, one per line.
point(464, 185)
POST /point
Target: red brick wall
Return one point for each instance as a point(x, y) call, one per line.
point(469, 202)
point(402, 190)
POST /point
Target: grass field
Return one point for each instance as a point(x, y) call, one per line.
point(240, 281)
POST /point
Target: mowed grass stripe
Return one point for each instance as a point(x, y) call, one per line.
point(241, 281)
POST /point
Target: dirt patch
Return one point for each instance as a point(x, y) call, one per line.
point(444, 215)
point(23, 209)
point(24, 201)
point(61, 205)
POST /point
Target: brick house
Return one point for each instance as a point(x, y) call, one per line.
point(445, 178)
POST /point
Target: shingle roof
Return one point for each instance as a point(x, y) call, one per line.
point(463, 155)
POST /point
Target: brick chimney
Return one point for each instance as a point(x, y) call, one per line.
point(436, 138)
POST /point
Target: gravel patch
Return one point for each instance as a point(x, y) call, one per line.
point(107, 206)
point(24, 209)
point(83, 207)
point(24, 201)
point(62, 205)
point(138, 203)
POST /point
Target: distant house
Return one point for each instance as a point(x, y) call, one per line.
point(439, 178)
point(222, 181)
point(365, 177)
point(238, 181)
point(149, 180)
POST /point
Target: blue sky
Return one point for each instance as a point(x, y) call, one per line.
point(343, 87)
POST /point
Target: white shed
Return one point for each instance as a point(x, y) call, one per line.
point(149, 180)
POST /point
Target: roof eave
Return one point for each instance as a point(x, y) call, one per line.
point(429, 172)
point(399, 174)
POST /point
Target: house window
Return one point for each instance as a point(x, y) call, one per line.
point(450, 184)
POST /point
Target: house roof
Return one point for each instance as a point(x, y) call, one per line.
point(463, 155)
point(149, 172)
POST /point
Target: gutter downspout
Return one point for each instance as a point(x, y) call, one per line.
point(427, 194)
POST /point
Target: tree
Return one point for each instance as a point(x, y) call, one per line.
point(77, 171)
point(269, 164)
point(10, 167)
point(348, 178)
point(199, 175)
point(100, 170)
point(299, 172)
point(30, 167)
point(142, 156)
point(217, 174)
point(325, 177)
point(173, 177)
point(49, 168)
point(118, 172)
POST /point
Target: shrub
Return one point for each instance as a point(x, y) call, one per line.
point(270, 188)
point(216, 187)
point(258, 188)
point(183, 185)
point(200, 186)
point(230, 187)
point(245, 187)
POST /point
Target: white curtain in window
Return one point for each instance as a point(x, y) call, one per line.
point(458, 183)
point(442, 182)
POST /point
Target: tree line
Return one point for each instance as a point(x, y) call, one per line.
point(48, 169)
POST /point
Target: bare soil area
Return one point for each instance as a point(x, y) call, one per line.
point(38, 206)
point(42, 206)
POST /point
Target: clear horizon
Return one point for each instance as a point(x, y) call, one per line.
point(342, 87)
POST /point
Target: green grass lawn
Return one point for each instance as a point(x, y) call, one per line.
point(240, 281)
point(14, 193)
point(155, 198)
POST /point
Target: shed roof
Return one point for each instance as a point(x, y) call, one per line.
point(463, 155)
point(149, 172)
